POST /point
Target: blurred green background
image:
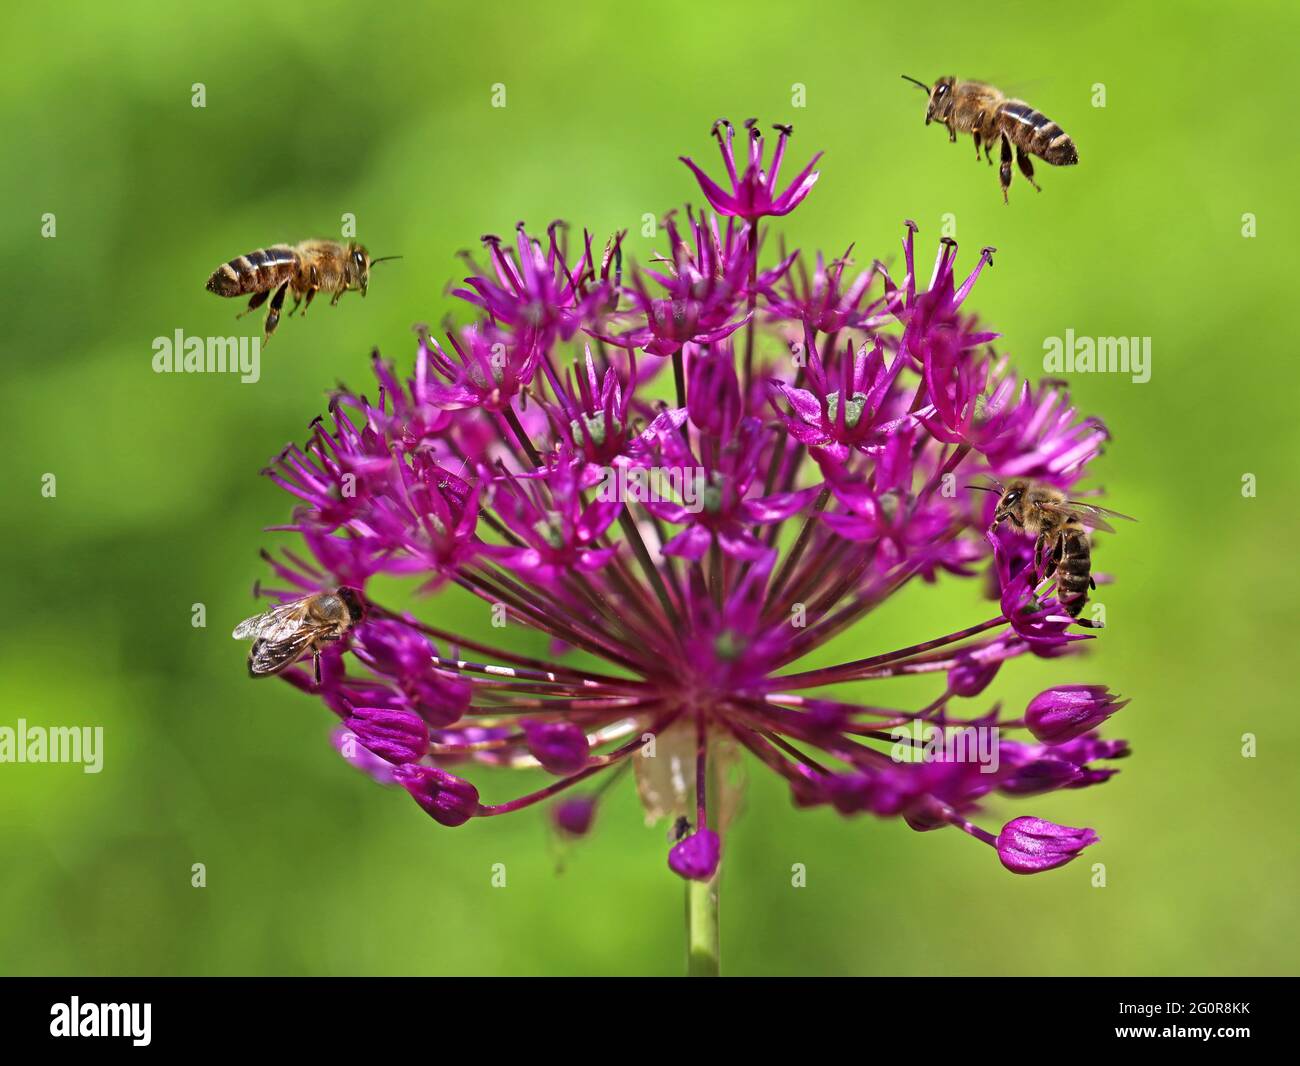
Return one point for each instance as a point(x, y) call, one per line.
point(384, 111)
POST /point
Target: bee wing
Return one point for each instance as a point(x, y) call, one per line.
point(1087, 514)
point(268, 657)
point(274, 624)
point(247, 629)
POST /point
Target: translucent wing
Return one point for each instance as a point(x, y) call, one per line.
point(276, 624)
point(271, 656)
point(1087, 514)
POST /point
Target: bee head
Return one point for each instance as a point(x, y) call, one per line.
point(940, 101)
point(1011, 505)
point(356, 267)
point(353, 601)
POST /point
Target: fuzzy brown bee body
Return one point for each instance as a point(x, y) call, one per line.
point(304, 269)
point(1073, 558)
point(1061, 526)
point(985, 113)
point(286, 632)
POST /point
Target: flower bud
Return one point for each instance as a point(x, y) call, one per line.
point(397, 650)
point(969, 677)
point(560, 747)
point(398, 736)
point(696, 857)
point(573, 815)
point(1031, 845)
point(713, 398)
point(1063, 713)
point(446, 798)
point(1041, 775)
point(357, 755)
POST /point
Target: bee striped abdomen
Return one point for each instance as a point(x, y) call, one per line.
point(1074, 570)
point(257, 271)
point(1035, 133)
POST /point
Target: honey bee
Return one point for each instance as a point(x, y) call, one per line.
point(288, 631)
point(981, 110)
point(1061, 526)
point(305, 268)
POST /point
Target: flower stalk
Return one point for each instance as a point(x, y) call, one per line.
point(704, 949)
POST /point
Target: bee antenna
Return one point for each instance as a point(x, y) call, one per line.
point(384, 259)
point(914, 81)
point(986, 488)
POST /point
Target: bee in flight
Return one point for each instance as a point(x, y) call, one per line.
point(305, 269)
point(981, 110)
point(1061, 526)
point(288, 631)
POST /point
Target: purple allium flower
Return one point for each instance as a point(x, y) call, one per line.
point(574, 814)
point(699, 291)
point(1031, 845)
point(445, 797)
point(394, 735)
point(697, 546)
point(561, 747)
point(753, 193)
point(821, 300)
point(347, 744)
point(1069, 711)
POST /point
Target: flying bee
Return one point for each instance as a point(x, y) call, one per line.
point(1061, 526)
point(305, 269)
point(680, 830)
point(288, 631)
point(981, 110)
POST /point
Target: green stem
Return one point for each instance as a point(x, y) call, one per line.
point(704, 954)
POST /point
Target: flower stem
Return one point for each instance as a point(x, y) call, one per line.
point(703, 952)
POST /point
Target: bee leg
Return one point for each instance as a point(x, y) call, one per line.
point(258, 299)
point(977, 144)
point(338, 293)
point(988, 148)
point(315, 663)
point(1026, 167)
point(297, 299)
point(273, 315)
point(1004, 171)
point(1050, 562)
point(952, 132)
point(1040, 557)
point(311, 295)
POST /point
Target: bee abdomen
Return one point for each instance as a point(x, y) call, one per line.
point(257, 271)
point(1037, 134)
point(1074, 571)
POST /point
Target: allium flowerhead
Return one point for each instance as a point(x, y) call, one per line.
point(669, 487)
